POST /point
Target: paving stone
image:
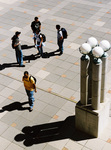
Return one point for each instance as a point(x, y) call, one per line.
point(50, 110)
point(73, 85)
point(58, 102)
point(56, 88)
point(14, 147)
point(21, 122)
point(62, 115)
point(66, 92)
point(3, 127)
point(63, 81)
point(59, 71)
point(42, 74)
point(2, 99)
point(49, 147)
point(59, 144)
point(17, 96)
point(69, 107)
point(45, 84)
point(8, 136)
point(39, 105)
point(41, 119)
point(9, 118)
point(52, 78)
point(37, 147)
point(72, 144)
point(4, 143)
point(92, 144)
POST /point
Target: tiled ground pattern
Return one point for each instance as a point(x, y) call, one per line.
point(58, 77)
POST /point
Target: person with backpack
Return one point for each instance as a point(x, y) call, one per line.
point(30, 86)
point(36, 25)
point(39, 38)
point(16, 44)
point(61, 35)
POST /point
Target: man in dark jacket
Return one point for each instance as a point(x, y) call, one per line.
point(60, 39)
point(17, 46)
point(35, 26)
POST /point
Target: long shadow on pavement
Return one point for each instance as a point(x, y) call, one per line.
point(51, 132)
point(7, 65)
point(26, 47)
point(45, 55)
point(14, 106)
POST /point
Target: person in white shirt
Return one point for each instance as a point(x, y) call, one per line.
point(39, 41)
point(60, 39)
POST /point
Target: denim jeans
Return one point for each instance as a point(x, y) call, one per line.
point(19, 57)
point(60, 44)
point(31, 99)
point(40, 49)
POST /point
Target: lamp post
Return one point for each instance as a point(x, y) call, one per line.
point(92, 118)
point(92, 41)
point(85, 50)
point(93, 71)
point(105, 46)
point(96, 77)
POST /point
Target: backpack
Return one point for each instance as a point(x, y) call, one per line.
point(64, 32)
point(35, 80)
point(43, 36)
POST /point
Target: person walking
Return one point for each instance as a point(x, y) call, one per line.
point(39, 42)
point(36, 26)
point(30, 87)
point(16, 44)
point(60, 38)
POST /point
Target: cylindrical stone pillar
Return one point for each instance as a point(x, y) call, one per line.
point(84, 79)
point(96, 83)
point(103, 80)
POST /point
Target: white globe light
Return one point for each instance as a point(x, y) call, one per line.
point(97, 51)
point(92, 41)
point(105, 45)
point(85, 48)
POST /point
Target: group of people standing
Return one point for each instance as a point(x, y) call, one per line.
point(29, 82)
point(38, 41)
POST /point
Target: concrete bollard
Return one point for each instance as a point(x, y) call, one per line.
point(96, 84)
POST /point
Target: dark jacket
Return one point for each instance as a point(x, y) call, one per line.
point(35, 26)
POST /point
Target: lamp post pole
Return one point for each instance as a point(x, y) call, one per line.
point(96, 83)
point(103, 81)
point(84, 79)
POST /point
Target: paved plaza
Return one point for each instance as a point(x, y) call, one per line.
point(51, 125)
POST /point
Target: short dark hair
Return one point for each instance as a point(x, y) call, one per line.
point(36, 18)
point(25, 72)
point(57, 26)
point(17, 33)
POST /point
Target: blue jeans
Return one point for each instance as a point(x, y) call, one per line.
point(31, 99)
point(19, 57)
point(40, 49)
point(60, 44)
